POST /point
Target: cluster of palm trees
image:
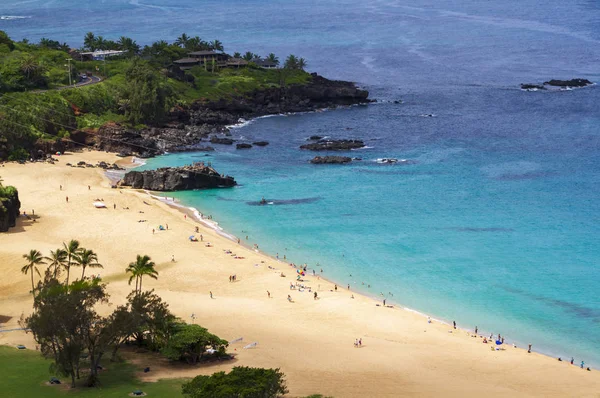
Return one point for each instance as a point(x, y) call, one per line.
point(293, 62)
point(197, 44)
point(63, 258)
point(73, 255)
point(92, 42)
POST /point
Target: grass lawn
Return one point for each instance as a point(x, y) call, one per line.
point(23, 373)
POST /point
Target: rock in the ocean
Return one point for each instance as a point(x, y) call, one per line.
point(243, 146)
point(196, 176)
point(532, 87)
point(330, 160)
point(333, 145)
point(315, 138)
point(261, 143)
point(569, 83)
point(222, 141)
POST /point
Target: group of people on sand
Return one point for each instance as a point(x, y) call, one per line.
point(358, 343)
point(232, 278)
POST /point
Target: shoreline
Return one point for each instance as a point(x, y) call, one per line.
point(196, 215)
point(402, 353)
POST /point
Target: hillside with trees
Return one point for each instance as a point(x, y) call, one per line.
point(140, 85)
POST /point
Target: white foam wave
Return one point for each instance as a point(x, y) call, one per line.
point(360, 149)
point(12, 17)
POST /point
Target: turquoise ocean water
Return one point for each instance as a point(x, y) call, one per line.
point(496, 224)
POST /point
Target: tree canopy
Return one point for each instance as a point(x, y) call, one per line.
point(241, 382)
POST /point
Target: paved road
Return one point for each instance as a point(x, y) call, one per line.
point(87, 82)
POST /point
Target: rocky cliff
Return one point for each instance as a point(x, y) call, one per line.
point(9, 207)
point(197, 176)
point(190, 126)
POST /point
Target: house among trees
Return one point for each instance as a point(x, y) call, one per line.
point(265, 63)
point(202, 58)
point(237, 62)
point(99, 55)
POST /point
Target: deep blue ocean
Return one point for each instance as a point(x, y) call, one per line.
point(496, 224)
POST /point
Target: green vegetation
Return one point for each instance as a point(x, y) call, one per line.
point(139, 88)
point(25, 373)
point(240, 382)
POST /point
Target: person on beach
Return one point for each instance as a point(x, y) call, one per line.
point(167, 225)
point(315, 297)
point(360, 342)
point(529, 349)
point(277, 256)
point(384, 302)
point(582, 363)
point(173, 258)
point(201, 238)
point(67, 199)
point(185, 216)
point(335, 288)
point(32, 212)
point(114, 206)
point(61, 187)
point(475, 329)
point(268, 294)
point(352, 296)
point(355, 343)
point(289, 298)
point(428, 319)
point(572, 360)
point(485, 340)
point(454, 324)
point(211, 296)
point(152, 231)
point(89, 188)
point(348, 286)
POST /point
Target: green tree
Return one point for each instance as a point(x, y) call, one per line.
point(65, 325)
point(291, 62)
point(182, 40)
point(5, 39)
point(142, 266)
point(58, 260)
point(301, 63)
point(29, 66)
point(148, 95)
point(217, 45)
point(241, 382)
point(249, 56)
point(87, 258)
point(101, 43)
point(190, 343)
point(273, 59)
point(72, 249)
point(89, 41)
point(128, 45)
point(33, 258)
point(237, 55)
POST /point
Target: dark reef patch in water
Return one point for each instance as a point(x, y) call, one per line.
point(525, 176)
point(577, 309)
point(473, 229)
point(283, 202)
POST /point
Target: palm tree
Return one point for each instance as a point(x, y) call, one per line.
point(182, 40)
point(89, 41)
point(29, 66)
point(193, 43)
point(142, 266)
point(129, 45)
point(301, 63)
point(58, 259)
point(217, 45)
point(291, 62)
point(87, 258)
point(44, 42)
point(237, 55)
point(34, 258)
point(72, 250)
point(249, 56)
point(273, 59)
point(101, 43)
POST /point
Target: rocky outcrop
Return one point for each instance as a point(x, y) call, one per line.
point(197, 176)
point(221, 141)
point(9, 207)
point(243, 146)
point(333, 145)
point(207, 120)
point(569, 83)
point(532, 87)
point(330, 160)
point(261, 143)
point(314, 138)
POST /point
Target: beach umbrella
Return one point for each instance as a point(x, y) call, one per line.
point(498, 342)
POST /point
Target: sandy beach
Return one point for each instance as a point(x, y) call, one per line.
point(310, 340)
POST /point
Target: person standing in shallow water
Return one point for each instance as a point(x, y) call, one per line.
point(454, 323)
point(529, 349)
